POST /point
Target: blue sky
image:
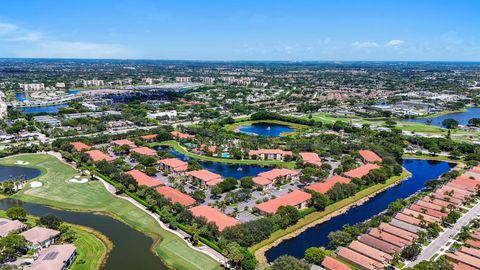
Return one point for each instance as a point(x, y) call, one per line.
point(242, 30)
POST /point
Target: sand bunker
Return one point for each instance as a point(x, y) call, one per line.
point(35, 184)
point(80, 181)
point(21, 162)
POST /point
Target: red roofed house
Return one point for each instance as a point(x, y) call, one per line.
point(80, 146)
point(369, 156)
point(204, 178)
point(176, 196)
point(145, 151)
point(180, 135)
point(149, 137)
point(209, 149)
point(269, 178)
point(311, 158)
point(123, 142)
point(173, 165)
point(361, 171)
point(97, 155)
point(269, 154)
point(144, 180)
point(323, 187)
point(298, 199)
point(213, 215)
point(331, 264)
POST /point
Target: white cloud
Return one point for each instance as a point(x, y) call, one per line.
point(364, 44)
point(394, 43)
point(29, 43)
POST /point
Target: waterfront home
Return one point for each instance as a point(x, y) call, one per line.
point(406, 226)
point(311, 158)
point(369, 156)
point(180, 135)
point(8, 226)
point(361, 171)
point(145, 151)
point(324, 187)
point(55, 257)
point(370, 252)
point(149, 137)
point(204, 178)
point(298, 199)
point(97, 155)
point(398, 231)
point(175, 196)
point(331, 264)
point(269, 154)
point(389, 238)
point(80, 146)
point(213, 215)
point(172, 165)
point(208, 149)
point(144, 180)
point(420, 215)
point(359, 260)
point(269, 178)
point(123, 142)
point(40, 237)
point(378, 244)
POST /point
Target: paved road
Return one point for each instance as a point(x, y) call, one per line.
point(436, 244)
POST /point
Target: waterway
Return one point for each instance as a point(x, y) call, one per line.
point(461, 117)
point(44, 109)
point(236, 171)
point(10, 172)
point(265, 129)
point(131, 249)
point(421, 170)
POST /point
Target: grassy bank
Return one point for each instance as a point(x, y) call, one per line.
point(315, 216)
point(92, 246)
point(184, 151)
point(58, 192)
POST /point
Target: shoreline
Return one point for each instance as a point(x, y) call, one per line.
point(260, 253)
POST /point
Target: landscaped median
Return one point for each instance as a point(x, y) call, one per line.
point(92, 196)
point(180, 149)
point(319, 217)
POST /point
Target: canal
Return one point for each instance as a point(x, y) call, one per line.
point(421, 170)
point(461, 117)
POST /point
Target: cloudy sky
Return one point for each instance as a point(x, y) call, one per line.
point(242, 29)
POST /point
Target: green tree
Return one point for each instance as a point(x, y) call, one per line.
point(450, 123)
point(339, 238)
point(286, 262)
point(410, 252)
point(50, 221)
point(233, 252)
point(17, 213)
point(314, 255)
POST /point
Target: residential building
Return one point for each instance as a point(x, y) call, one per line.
point(361, 171)
point(173, 165)
point(269, 154)
point(40, 237)
point(269, 178)
point(8, 226)
point(311, 158)
point(55, 257)
point(369, 156)
point(80, 146)
point(175, 196)
point(213, 215)
point(324, 187)
point(97, 155)
point(123, 142)
point(144, 180)
point(297, 198)
point(145, 151)
point(204, 178)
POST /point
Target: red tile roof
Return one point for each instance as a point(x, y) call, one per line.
point(80, 146)
point(149, 137)
point(180, 135)
point(323, 187)
point(462, 266)
point(473, 243)
point(122, 142)
point(471, 251)
point(435, 201)
point(361, 171)
point(266, 178)
point(369, 156)
point(359, 259)
point(464, 258)
point(270, 152)
point(475, 169)
point(145, 151)
point(390, 238)
point(429, 205)
point(144, 180)
point(293, 198)
point(211, 148)
point(407, 219)
point(206, 176)
point(418, 214)
point(97, 155)
point(213, 215)
point(175, 164)
point(311, 158)
point(331, 264)
point(398, 232)
point(176, 196)
point(427, 211)
point(378, 244)
point(370, 252)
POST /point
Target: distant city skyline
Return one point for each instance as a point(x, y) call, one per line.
point(248, 30)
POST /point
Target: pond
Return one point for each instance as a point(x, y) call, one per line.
point(421, 170)
point(131, 249)
point(236, 171)
point(44, 109)
point(9, 172)
point(265, 129)
point(461, 117)
point(20, 96)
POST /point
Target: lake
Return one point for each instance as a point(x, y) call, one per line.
point(236, 171)
point(264, 129)
point(44, 109)
point(421, 170)
point(131, 249)
point(461, 117)
point(9, 172)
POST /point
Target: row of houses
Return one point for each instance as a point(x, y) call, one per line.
point(374, 250)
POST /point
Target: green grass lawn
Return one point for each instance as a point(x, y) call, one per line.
point(184, 151)
point(328, 210)
point(92, 196)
